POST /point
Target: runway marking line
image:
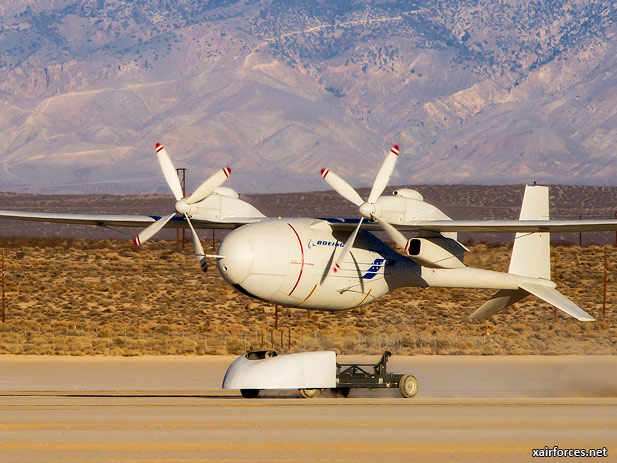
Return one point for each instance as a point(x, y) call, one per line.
point(50, 426)
point(376, 448)
point(298, 403)
point(207, 400)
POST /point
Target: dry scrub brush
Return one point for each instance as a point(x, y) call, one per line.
point(105, 297)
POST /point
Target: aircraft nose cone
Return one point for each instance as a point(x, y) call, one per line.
point(237, 263)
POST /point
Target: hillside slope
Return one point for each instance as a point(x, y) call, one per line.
point(474, 91)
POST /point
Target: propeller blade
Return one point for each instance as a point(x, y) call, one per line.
point(210, 184)
point(151, 230)
point(395, 235)
point(348, 245)
point(384, 174)
point(169, 171)
point(341, 187)
point(199, 250)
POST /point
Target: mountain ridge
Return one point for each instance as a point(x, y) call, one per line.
point(473, 91)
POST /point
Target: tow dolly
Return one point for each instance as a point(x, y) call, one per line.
point(359, 375)
point(309, 372)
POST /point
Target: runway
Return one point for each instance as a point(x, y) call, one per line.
point(153, 410)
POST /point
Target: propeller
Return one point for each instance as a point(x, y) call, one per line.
point(183, 205)
point(368, 209)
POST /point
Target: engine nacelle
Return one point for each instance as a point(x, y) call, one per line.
point(407, 206)
point(408, 193)
point(221, 204)
point(438, 252)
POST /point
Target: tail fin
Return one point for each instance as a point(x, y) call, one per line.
point(554, 297)
point(531, 254)
point(506, 297)
point(500, 300)
point(531, 257)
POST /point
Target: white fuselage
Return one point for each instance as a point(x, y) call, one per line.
point(289, 262)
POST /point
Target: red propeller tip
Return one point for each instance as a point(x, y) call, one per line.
point(158, 147)
point(396, 147)
point(227, 171)
point(324, 172)
point(136, 241)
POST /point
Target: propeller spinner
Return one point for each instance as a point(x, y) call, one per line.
point(183, 205)
point(368, 209)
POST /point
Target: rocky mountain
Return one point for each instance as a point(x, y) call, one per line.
point(474, 91)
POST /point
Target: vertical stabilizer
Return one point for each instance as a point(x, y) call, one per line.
point(531, 254)
point(531, 258)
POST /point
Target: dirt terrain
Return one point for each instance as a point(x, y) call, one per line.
point(105, 297)
point(472, 409)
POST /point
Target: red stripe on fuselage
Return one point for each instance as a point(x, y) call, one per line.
point(302, 264)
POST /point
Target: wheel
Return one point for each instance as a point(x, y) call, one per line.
point(343, 391)
point(249, 393)
point(308, 393)
point(408, 386)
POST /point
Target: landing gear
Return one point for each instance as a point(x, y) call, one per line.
point(408, 386)
point(308, 393)
point(249, 393)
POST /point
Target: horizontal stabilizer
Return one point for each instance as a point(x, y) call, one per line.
point(502, 299)
point(554, 297)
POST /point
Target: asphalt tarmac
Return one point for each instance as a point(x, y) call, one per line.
point(170, 409)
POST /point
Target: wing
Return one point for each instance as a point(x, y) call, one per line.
point(486, 226)
point(105, 220)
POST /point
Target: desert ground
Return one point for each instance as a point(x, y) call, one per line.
point(83, 290)
point(170, 408)
point(106, 297)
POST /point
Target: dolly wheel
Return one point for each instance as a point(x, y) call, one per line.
point(308, 393)
point(249, 393)
point(408, 386)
